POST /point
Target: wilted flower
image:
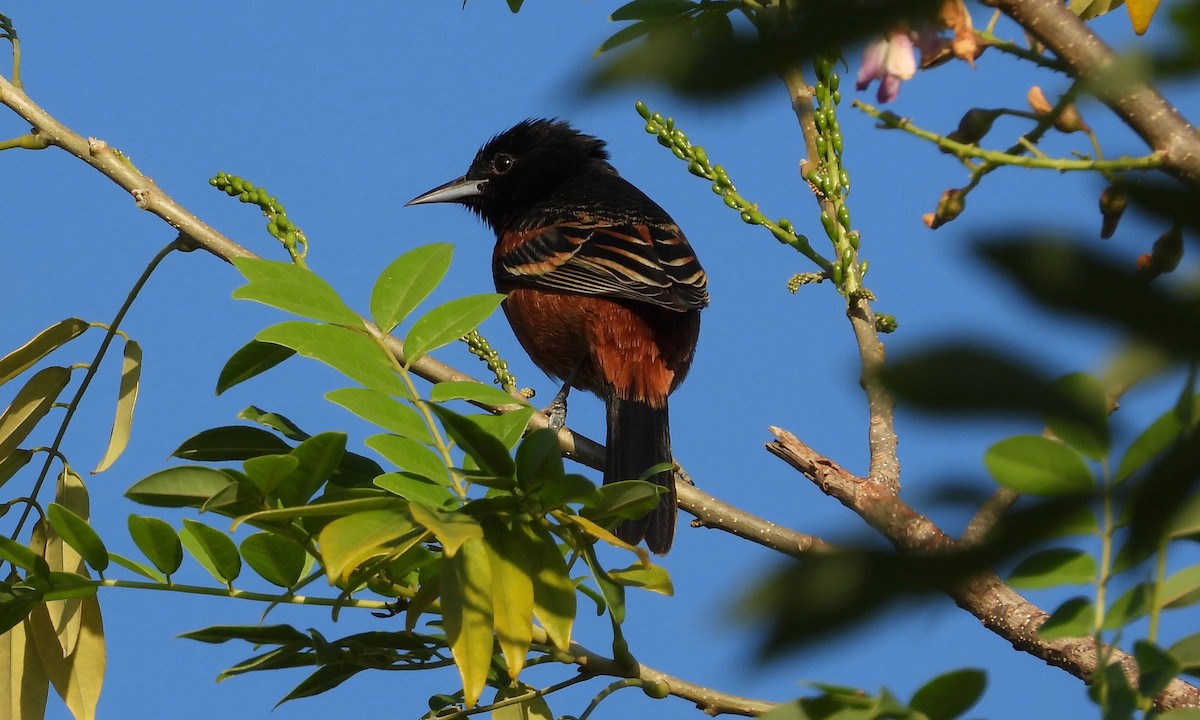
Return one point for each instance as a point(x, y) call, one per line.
point(890, 60)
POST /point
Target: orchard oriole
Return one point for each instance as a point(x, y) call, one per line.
point(603, 289)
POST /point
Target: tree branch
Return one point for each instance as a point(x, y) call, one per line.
point(1001, 609)
point(1111, 80)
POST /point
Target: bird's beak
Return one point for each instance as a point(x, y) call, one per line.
point(453, 191)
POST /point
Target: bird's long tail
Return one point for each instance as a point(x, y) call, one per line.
point(639, 438)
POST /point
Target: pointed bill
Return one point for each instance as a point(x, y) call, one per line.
point(453, 191)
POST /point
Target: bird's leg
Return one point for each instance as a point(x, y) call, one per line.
point(557, 410)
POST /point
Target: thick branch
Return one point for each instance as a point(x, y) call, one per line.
point(984, 595)
point(1133, 99)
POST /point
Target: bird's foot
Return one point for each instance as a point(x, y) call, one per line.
point(557, 412)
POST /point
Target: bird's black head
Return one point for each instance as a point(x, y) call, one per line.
point(522, 167)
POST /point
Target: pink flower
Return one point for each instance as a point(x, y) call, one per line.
point(890, 60)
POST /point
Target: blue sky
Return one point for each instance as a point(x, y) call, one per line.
point(346, 114)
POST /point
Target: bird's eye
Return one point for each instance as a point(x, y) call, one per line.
point(502, 163)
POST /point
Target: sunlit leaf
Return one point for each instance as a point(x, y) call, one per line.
point(231, 442)
point(278, 559)
point(473, 391)
point(406, 281)
point(488, 452)
point(185, 486)
point(157, 541)
point(21, 556)
point(1038, 466)
point(268, 471)
point(13, 463)
point(1187, 652)
point(447, 323)
point(131, 374)
point(416, 488)
point(77, 533)
point(30, 405)
point(350, 352)
point(411, 455)
point(627, 499)
point(318, 459)
point(1140, 14)
point(1181, 589)
point(79, 676)
point(1152, 442)
point(251, 359)
point(41, 345)
point(467, 614)
point(1088, 9)
point(553, 591)
point(533, 707)
point(273, 421)
point(24, 686)
point(293, 289)
point(654, 578)
point(452, 529)
point(387, 413)
point(213, 549)
point(512, 592)
point(137, 567)
point(349, 541)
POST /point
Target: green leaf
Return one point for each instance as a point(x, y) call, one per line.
point(253, 634)
point(13, 463)
point(1156, 668)
point(467, 614)
point(626, 499)
point(268, 471)
point(1187, 652)
point(488, 452)
point(350, 352)
point(383, 411)
point(650, 9)
point(1088, 9)
point(24, 686)
point(77, 533)
point(21, 556)
point(1152, 442)
point(539, 461)
point(1086, 429)
point(349, 541)
point(1036, 465)
point(250, 360)
point(949, 695)
point(472, 391)
point(41, 345)
point(967, 378)
point(613, 593)
point(654, 578)
point(407, 281)
point(533, 707)
point(507, 427)
point(317, 459)
point(1052, 568)
point(411, 456)
point(131, 374)
point(452, 529)
point(213, 549)
point(512, 593)
point(78, 677)
point(1181, 589)
point(553, 590)
point(273, 421)
point(1072, 619)
point(1184, 520)
point(416, 488)
point(136, 567)
point(186, 486)
point(322, 679)
point(157, 541)
point(30, 405)
point(278, 559)
point(447, 323)
point(572, 488)
point(1131, 605)
point(231, 442)
point(293, 289)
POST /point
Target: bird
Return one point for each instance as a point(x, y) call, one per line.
point(603, 290)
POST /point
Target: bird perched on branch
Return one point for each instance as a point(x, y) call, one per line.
point(604, 291)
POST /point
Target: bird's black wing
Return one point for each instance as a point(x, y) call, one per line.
point(644, 263)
